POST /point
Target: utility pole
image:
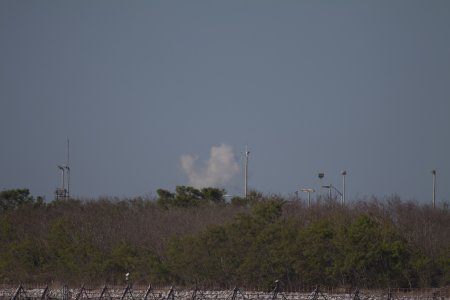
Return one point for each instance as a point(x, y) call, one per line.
point(247, 153)
point(343, 173)
point(434, 188)
point(62, 192)
point(68, 171)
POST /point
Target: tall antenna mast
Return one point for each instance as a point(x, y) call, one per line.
point(67, 151)
point(62, 192)
point(68, 170)
point(247, 153)
point(434, 188)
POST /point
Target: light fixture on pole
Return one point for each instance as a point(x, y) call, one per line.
point(309, 191)
point(321, 175)
point(343, 173)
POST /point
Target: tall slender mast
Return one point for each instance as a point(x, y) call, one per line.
point(343, 173)
point(246, 171)
point(62, 177)
point(62, 192)
point(434, 188)
point(67, 151)
point(68, 171)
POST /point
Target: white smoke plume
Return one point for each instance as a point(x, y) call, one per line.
point(219, 169)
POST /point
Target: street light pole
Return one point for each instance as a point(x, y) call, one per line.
point(68, 171)
point(309, 191)
point(344, 172)
point(434, 188)
point(247, 153)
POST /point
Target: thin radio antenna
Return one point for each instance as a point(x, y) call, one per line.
point(67, 151)
point(247, 153)
point(68, 170)
point(62, 192)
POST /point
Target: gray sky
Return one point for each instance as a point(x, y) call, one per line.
point(154, 94)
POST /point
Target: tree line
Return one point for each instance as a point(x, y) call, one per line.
point(194, 237)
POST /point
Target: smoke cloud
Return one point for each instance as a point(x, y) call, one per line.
point(219, 169)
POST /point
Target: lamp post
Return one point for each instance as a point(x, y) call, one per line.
point(247, 153)
point(434, 188)
point(330, 187)
point(321, 175)
point(309, 191)
point(343, 173)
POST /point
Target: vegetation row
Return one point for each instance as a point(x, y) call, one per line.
point(194, 237)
